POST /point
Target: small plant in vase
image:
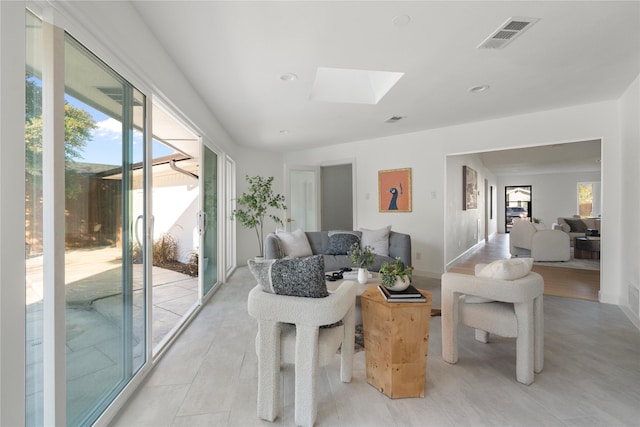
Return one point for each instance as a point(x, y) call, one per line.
point(395, 275)
point(362, 258)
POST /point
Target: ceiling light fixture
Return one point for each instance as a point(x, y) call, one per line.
point(288, 77)
point(284, 131)
point(478, 89)
point(401, 20)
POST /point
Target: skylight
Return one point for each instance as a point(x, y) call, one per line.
point(352, 86)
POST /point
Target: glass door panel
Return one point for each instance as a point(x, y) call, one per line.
point(175, 199)
point(104, 289)
point(517, 202)
point(209, 220)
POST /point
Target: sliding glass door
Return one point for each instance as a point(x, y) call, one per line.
point(84, 151)
point(89, 194)
point(105, 318)
point(208, 227)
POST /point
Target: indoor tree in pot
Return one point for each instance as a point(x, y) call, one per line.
point(361, 258)
point(395, 275)
point(255, 205)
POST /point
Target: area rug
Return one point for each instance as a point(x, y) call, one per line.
point(582, 264)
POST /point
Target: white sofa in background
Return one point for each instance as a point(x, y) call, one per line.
point(526, 239)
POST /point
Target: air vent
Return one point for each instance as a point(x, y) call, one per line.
point(394, 119)
point(507, 32)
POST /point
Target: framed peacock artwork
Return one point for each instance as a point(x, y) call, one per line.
point(394, 190)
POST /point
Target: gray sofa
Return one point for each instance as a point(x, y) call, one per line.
point(399, 246)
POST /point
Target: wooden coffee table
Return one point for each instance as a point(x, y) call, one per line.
point(587, 248)
point(396, 341)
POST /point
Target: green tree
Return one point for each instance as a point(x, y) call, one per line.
point(255, 205)
point(78, 131)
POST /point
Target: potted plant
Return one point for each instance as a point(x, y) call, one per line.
point(255, 205)
point(395, 275)
point(361, 258)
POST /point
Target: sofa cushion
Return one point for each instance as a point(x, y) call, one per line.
point(507, 269)
point(377, 239)
point(300, 277)
point(577, 225)
point(340, 241)
point(294, 243)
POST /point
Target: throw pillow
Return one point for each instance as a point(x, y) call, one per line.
point(294, 243)
point(577, 225)
point(565, 227)
point(300, 277)
point(507, 269)
point(340, 242)
point(377, 239)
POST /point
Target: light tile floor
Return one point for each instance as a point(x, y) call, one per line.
point(591, 375)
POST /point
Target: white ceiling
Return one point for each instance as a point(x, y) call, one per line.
point(235, 52)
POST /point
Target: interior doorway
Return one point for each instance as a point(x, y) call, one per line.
point(337, 197)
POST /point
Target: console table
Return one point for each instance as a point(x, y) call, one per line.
point(396, 341)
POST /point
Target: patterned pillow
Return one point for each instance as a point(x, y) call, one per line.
point(341, 241)
point(300, 277)
point(577, 225)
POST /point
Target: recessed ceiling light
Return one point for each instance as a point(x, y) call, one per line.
point(401, 20)
point(478, 89)
point(288, 77)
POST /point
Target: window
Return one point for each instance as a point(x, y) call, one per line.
point(588, 199)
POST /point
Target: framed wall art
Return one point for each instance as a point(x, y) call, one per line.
point(394, 190)
point(469, 188)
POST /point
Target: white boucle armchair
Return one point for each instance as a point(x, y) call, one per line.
point(515, 310)
point(306, 344)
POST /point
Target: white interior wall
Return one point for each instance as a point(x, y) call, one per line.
point(553, 195)
point(425, 152)
point(465, 228)
point(252, 163)
point(630, 203)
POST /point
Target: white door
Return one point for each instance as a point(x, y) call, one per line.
point(302, 201)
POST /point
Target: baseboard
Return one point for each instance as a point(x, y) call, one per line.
point(427, 274)
point(463, 254)
point(631, 315)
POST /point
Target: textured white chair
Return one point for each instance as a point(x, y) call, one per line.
point(515, 310)
point(306, 344)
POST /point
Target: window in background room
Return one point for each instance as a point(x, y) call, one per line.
point(589, 199)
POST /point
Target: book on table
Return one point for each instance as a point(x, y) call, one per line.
point(411, 294)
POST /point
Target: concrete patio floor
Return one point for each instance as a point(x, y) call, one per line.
point(94, 332)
